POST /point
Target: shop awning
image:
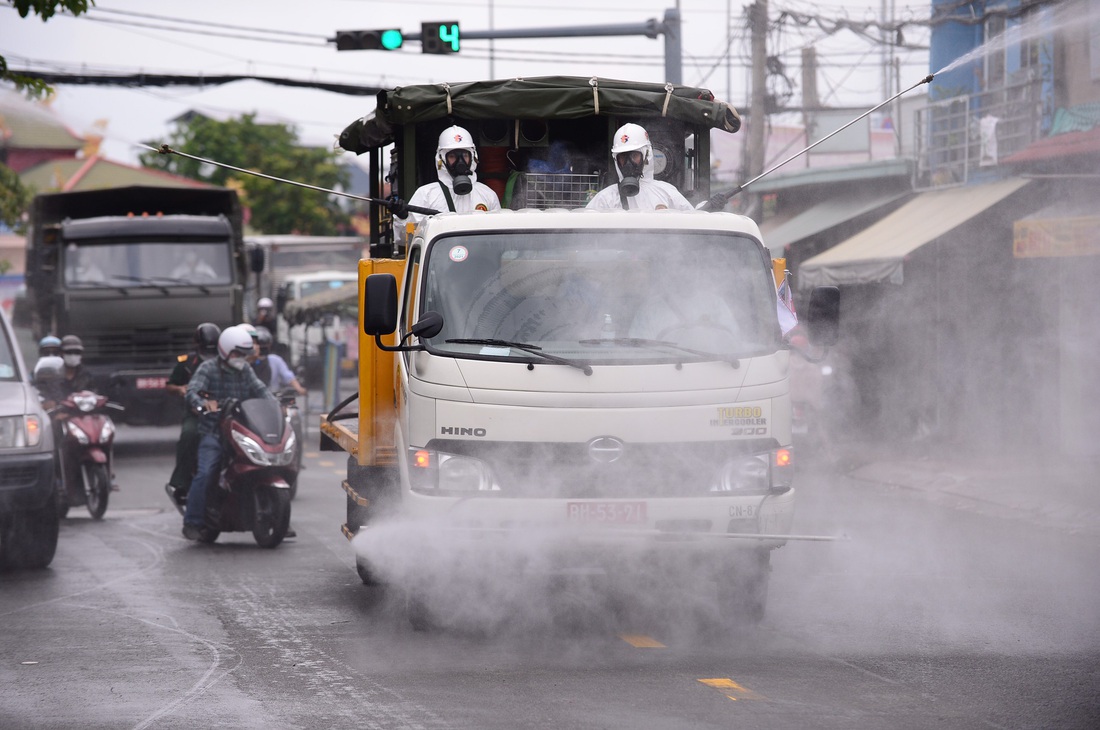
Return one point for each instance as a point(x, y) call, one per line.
point(877, 253)
point(1062, 229)
point(342, 301)
point(827, 214)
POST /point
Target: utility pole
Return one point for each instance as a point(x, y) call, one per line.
point(758, 27)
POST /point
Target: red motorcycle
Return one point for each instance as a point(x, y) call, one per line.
point(259, 464)
point(85, 443)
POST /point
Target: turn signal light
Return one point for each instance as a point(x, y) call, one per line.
point(422, 459)
point(783, 457)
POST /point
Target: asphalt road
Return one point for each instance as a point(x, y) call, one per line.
point(924, 617)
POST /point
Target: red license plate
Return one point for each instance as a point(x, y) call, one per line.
point(606, 513)
point(151, 383)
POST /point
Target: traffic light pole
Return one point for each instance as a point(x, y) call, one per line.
point(669, 27)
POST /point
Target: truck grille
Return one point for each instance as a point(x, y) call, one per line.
point(140, 347)
point(566, 470)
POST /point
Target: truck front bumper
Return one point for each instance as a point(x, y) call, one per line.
point(718, 522)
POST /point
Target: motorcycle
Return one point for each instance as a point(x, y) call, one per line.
point(289, 401)
point(252, 492)
point(85, 446)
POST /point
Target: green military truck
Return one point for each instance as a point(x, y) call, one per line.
point(132, 271)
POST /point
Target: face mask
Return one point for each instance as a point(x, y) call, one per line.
point(71, 361)
point(460, 174)
point(237, 363)
point(630, 185)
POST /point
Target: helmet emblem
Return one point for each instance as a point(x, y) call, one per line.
point(625, 138)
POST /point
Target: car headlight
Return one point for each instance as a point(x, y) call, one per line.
point(15, 432)
point(756, 474)
point(435, 470)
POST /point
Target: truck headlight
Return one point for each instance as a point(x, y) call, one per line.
point(439, 471)
point(756, 474)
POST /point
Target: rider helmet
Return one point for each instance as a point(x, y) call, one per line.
point(265, 303)
point(49, 345)
point(72, 350)
point(206, 339)
point(234, 343)
point(264, 339)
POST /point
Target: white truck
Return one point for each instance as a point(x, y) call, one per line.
point(606, 378)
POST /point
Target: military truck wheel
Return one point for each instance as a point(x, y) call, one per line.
point(366, 574)
point(743, 591)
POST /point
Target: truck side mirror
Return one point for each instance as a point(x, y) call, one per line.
point(380, 304)
point(428, 326)
point(823, 317)
point(21, 312)
point(256, 259)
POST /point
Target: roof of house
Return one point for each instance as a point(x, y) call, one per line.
point(96, 173)
point(28, 125)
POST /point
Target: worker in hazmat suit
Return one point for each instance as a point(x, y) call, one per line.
point(636, 189)
point(457, 188)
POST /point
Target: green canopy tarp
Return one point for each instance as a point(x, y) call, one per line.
point(546, 97)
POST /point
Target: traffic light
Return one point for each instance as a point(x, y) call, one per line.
point(386, 39)
point(441, 37)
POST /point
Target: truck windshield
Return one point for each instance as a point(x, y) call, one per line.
point(600, 296)
point(147, 263)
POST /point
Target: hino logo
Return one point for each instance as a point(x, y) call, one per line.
point(461, 431)
point(605, 449)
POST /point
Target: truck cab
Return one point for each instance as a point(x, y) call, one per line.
point(615, 382)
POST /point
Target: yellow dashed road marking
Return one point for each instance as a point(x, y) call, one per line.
point(732, 689)
point(639, 641)
point(327, 462)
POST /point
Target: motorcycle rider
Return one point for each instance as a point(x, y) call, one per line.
point(76, 376)
point(636, 189)
point(271, 368)
point(187, 448)
point(226, 376)
point(457, 188)
point(46, 372)
point(265, 316)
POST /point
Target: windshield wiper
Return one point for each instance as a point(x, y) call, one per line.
point(533, 349)
point(140, 280)
point(183, 282)
point(642, 342)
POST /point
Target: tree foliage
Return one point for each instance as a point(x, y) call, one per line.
point(272, 149)
point(15, 198)
point(46, 9)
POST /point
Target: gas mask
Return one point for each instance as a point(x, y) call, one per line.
point(72, 360)
point(459, 168)
point(630, 165)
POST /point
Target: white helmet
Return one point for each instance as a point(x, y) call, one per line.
point(628, 138)
point(455, 138)
point(234, 340)
point(265, 303)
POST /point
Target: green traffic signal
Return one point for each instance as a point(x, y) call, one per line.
point(392, 39)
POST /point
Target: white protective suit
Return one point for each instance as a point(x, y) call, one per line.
point(431, 195)
point(652, 194)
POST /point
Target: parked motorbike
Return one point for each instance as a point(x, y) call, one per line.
point(85, 445)
point(252, 491)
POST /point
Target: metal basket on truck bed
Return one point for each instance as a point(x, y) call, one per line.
point(553, 190)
